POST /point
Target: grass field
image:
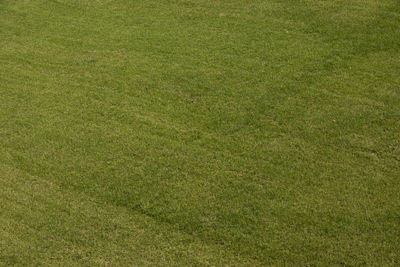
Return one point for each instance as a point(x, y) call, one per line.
point(199, 132)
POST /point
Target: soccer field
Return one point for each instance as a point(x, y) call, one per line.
point(199, 132)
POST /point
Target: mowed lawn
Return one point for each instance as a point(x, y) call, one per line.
point(199, 132)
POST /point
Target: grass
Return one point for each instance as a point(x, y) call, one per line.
point(207, 132)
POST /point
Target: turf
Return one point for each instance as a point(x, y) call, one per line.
point(199, 132)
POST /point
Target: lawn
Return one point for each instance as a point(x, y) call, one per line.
point(199, 132)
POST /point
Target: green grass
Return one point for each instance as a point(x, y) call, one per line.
point(200, 132)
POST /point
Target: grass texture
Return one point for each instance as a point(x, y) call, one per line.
point(199, 132)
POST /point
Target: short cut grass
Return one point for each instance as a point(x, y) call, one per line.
point(199, 132)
